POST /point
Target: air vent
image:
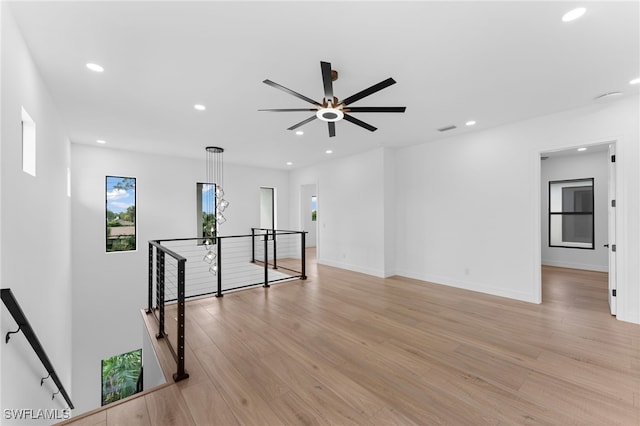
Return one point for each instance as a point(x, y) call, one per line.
point(447, 128)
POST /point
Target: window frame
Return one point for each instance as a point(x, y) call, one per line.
point(200, 204)
point(589, 182)
point(106, 209)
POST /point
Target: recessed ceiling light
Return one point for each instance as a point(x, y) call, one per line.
point(200, 107)
point(574, 14)
point(299, 132)
point(101, 142)
point(328, 151)
point(470, 123)
point(289, 163)
point(582, 149)
point(95, 67)
point(635, 81)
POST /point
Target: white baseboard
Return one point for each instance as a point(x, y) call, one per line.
point(472, 286)
point(572, 265)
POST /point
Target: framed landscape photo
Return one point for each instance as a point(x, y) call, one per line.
point(120, 199)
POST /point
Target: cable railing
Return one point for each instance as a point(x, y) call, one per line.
point(183, 268)
point(23, 325)
point(166, 265)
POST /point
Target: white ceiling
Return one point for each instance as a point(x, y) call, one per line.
point(493, 62)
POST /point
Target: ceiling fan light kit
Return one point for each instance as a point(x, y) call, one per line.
point(331, 110)
point(330, 114)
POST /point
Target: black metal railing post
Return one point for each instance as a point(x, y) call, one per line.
point(253, 245)
point(160, 292)
point(303, 256)
point(150, 295)
point(219, 266)
point(181, 374)
point(275, 265)
point(266, 260)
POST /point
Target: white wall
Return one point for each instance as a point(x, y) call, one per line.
point(350, 210)
point(109, 289)
point(152, 374)
point(465, 211)
point(583, 165)
point(465, 215)
point(35, 223)
point(469, 206)
point(1, 284)
point(390, 211)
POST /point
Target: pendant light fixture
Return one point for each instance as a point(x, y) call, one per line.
point(215, 203)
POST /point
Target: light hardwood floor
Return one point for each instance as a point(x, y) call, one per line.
point(345, 348)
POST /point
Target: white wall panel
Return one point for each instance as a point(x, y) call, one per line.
point(35, 223)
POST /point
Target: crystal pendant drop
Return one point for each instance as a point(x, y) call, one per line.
point(209, 257)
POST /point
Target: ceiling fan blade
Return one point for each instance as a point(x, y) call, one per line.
point(375, 109)
point(302, 123)
point(332, 128)
point(288, 109)
point(360, 123)
point(369, 91)
point(291, 92)
point(327, 81)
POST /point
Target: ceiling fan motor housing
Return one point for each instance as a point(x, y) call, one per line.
point(330, 115)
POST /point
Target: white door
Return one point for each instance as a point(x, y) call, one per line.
point(612, 229)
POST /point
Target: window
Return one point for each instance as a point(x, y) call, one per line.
point(28, 144)
point(571, 221)
point(120, 213)
point(314, 208)
point(121, 376)
point(205, 208)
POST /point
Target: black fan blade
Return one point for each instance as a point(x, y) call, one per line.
point(291, 92)
point(369, 91)
point(288, 109)
point(332, 129)
point(302, 123)
point(376, 109)
point(327, 81)
point(360, 123)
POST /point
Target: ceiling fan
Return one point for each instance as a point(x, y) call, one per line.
point(331, 109)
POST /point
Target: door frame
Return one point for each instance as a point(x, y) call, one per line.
point(612, 193)
point(302, 210)
point(538, 221)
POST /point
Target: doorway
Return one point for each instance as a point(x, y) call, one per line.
point(267, 208)
point(566, 167)
point(309, 213)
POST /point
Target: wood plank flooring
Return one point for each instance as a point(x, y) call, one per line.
point(345, 348)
